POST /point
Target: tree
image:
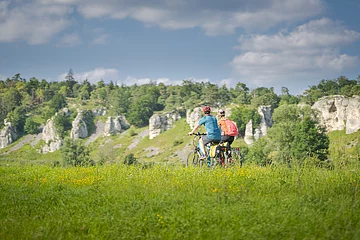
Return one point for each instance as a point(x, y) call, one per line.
point(130, 159)
point(31, 127)
point(295, 134)
point(12, 99)
point(311, 95)
point(264, 96)
point(240, 94)
point(310, 140)
point(32, 86)
point(259, 152)
point(63, 124)
point(224, 96)
point(70, 82)
point(74, 153)
point(57, 102)
point(17, 118)
point(140, 112)
point(85, 90)
point(119, 100)
point(242, 115)
point(211, 96)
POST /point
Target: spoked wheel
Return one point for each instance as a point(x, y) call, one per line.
point(216, 162)
point(236, 159)
point(193, 159)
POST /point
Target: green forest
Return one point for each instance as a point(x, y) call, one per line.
point(295, 134)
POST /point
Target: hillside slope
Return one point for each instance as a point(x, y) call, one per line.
point(170, 147)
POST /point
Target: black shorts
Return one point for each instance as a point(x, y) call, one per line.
point(207, 140)
point(227, 138)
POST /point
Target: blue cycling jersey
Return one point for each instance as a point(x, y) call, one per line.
point(211, 126)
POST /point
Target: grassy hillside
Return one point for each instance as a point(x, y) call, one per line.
point(170, 147)
point(344, 148)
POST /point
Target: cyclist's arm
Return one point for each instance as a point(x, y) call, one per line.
point(194, 129)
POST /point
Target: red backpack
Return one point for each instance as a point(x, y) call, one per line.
point(231, 128)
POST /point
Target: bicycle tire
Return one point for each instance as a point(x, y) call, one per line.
point(192, 159)
point(236, 159)
point(216, 161)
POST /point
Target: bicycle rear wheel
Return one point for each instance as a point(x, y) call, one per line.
point(192, 159)
point(236, 158)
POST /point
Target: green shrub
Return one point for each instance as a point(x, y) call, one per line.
point(177, 142)
point(31, 127)
point(130, 159)
point(74, 153)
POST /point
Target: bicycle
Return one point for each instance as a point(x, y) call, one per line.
point(236, 157)
point(195, 157)
point(223, 151)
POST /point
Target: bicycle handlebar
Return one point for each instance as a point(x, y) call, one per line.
point(198, 134)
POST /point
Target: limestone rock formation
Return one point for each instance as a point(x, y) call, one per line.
point(249, 137)
point(66, 112)
point(339, 112)
point(51, 137)
point(8, 134)
point(79, 128)
point(115, 125)
point(159, 123)
point(266, 122)
point(193, 117)
point(99, 112)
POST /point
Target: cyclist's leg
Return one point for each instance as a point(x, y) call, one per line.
point(228, 145)
point(228, 140)
point(203, 141)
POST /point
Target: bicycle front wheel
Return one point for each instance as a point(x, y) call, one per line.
point(192, 159)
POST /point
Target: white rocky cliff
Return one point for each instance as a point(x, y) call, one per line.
point(52, 139)
point(265, 113)
point(7, 135)
point(115, 125)
point(159, 123)
point(339, 112)
point(193, 117)
point(266, 121)
point(79, 128)
point(249, 136)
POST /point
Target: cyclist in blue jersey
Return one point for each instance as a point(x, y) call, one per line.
point(213, 132)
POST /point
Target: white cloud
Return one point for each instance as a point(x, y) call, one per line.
point(101, 39)
point(37, 21)
point(32, 22)
point(69, 40)
point(310, 51)
point(94, 76)
point(130, 80)
point(315, 34)
point(229, 82)
point(213, 16)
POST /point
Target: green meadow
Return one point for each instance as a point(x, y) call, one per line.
point(116, 201)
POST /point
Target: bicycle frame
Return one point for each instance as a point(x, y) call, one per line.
point(195, 156)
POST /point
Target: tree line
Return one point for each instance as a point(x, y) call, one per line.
point(21, 99)
point(295, 134)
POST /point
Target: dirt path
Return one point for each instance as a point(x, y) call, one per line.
point(98, 132)
point(140, 136)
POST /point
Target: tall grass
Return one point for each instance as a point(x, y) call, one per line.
point(129, 202)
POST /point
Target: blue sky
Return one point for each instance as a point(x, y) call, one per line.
point(262, 43)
